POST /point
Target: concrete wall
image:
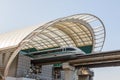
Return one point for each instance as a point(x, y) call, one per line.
point(10, 78)
point(47, 72)
point(13, 78)
point(24, 79)
point(23, 66)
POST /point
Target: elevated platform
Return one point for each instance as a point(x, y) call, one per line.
point(103, 59)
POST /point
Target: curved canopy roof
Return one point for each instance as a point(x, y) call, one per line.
point(78, 30)
point(12, 39)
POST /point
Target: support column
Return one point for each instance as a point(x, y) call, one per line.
point(69, 71)
point(85, 74)
point(1, 73)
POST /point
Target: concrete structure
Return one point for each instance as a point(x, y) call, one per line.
point(85, 74)
point(84, 31)
point(13, 78)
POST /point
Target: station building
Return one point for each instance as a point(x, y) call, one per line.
point(83, 31)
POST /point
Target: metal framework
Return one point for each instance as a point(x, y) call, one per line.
point(77, 30)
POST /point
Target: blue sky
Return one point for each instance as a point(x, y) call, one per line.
point(15, 14)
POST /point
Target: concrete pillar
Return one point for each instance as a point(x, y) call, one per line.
point(1, 73)
point(69, 71)
point(1, 57)
point(85, 74)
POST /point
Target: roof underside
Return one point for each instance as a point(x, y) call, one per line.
point(75, 31)
point(62, 34)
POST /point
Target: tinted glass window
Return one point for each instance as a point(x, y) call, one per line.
point(70, 49)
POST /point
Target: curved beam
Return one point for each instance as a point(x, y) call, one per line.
point(52, 38)
point(65, 32)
